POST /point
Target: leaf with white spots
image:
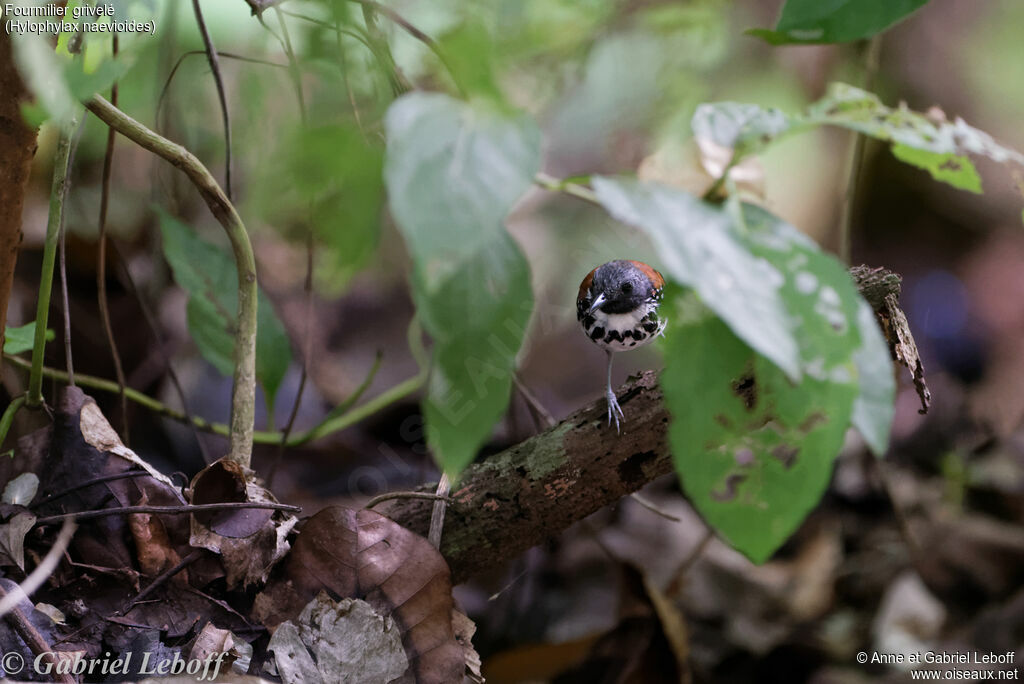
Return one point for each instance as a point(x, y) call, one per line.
point(453, 172)
point(753, 449)
point(927, 140)
point(700, 247)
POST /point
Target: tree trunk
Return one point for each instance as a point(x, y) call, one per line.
point(17, 147)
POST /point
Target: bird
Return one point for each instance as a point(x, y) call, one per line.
point(617, 307)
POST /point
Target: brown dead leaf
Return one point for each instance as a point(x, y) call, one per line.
point(225, 481)
point(152, 547)
point(83, 447)
point(362, 554)
point(12, 535)
point(881, 287)
point(250, 541)
point(212, 641)
point(464, 629)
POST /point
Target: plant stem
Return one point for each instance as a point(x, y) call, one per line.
point(855, 159)
point(329, 426)
point(559, 185)
point(8, 417)
point(211, 57)
point(243, 398)
point(101, 260)
point(58, 191)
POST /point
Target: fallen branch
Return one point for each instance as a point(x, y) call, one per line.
point(522, 496)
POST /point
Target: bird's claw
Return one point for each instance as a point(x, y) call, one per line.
point(614, 410)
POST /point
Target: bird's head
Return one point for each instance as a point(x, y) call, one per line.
point(620, 287)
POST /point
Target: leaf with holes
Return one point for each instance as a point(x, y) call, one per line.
point(208, 274)
point(453, 173)
point(928, 141)
point(755, 451)
point(835, 21)
point(957, 170)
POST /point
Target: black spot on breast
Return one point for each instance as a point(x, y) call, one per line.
point(628, 333)
point(597, 333)
point(613, 336)
point(637, 335)
point(650, 326)
point(588, 322)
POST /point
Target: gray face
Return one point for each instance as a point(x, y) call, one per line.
point(624, 286)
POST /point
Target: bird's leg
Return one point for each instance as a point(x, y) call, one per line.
point(614, 410)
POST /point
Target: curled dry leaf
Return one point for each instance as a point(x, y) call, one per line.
point(212, 641)
point(345, 641)
point(250, 540)
point(362, 554)
point(881, 287)
point(227, 482)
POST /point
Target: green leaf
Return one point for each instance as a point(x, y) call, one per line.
point(453, 172)
point(43, 74)
point(469, 57)
point(59, 80)
point(928, 141)
point(22, 338)
point(957, 170)
point(753, 449)
point(835, 21)
point(699, 247)
point(335, 180)
point(209, 275)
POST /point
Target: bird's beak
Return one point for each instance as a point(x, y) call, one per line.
point(598, 301)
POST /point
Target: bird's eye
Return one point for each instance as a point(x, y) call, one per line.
point(627, 288)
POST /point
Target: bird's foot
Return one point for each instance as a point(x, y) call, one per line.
point(614, 410)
